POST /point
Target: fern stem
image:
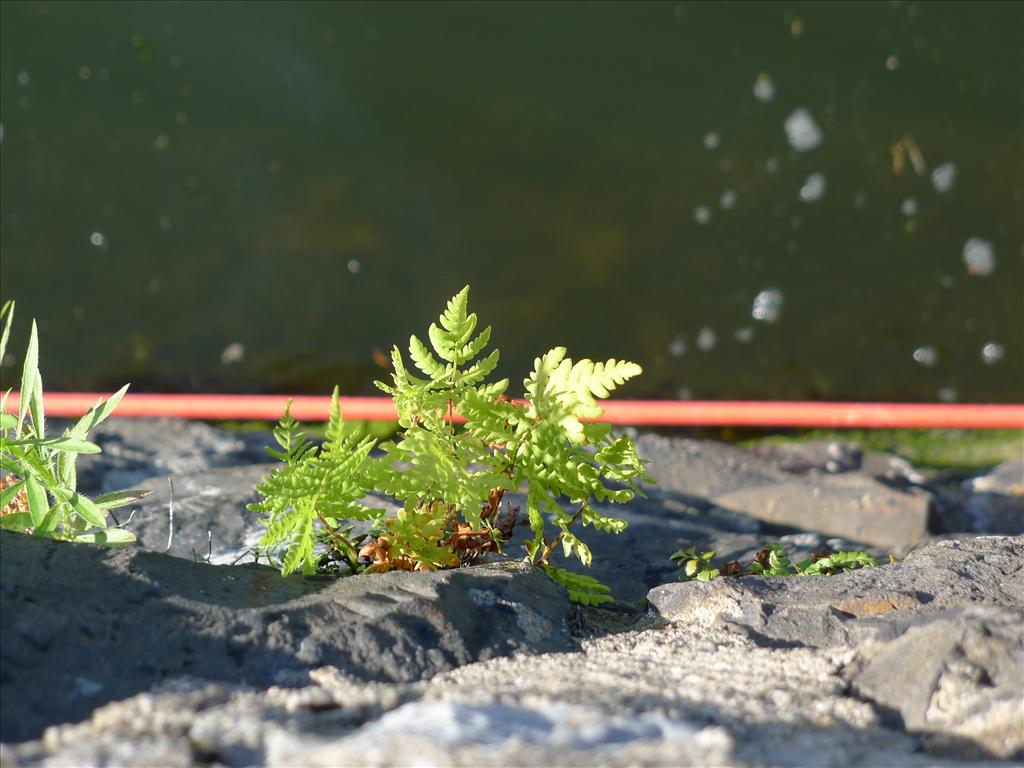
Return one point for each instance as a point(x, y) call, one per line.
point(554, 543)
point(347, 550)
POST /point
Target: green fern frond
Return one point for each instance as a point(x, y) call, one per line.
point(585, 590)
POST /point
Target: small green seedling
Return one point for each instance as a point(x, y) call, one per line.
point(449, 481)
point(827, 564)
point(696, 567)
point(773, 560)
point(38, 490)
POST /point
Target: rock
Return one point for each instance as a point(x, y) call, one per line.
point(802, 458)
point(851, 506)
point(137, 449)
point(966, 682)
point(660, 695)
point(848, 608)
point(703, 468)
point(210, 518)
point(994, 502)
point(85, 625)
point(939, 638)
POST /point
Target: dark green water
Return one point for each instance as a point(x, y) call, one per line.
point(254, 198)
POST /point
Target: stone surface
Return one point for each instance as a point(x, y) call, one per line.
point(994, 502)
point(939, 637)
point(210, 518)
point(966, 682)
point(852, 506)
point(137, 449)
point(83, 625)
point(659, 695)
point(851, 607)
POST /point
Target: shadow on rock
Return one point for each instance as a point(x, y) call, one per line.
point(83, 626)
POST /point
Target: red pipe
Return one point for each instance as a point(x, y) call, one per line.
point(664, 413)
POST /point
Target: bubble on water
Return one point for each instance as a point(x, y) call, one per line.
point(677, 347)
point(814, 188)
point(97, 239)
point(24, 78)
point(927, 356)
point(979, 257)
point(706, 339)
point(767, 305)
point(727, 199)
point(943, 177)
point(948, 395)
point(684, 393)
point(909, 207)
point(165, 222)
point(181, 118)
point(78, 313)
point(702, 214)
point(892, 63)
point(354, 266)
point(712, 140)
point(764, 88)
point(744, 335)
point(860, 200)
point(232, 353)
point(802, 132)
point(84, 72)
point(992, 353)
point(25, 103)
point(162, 142)
point(771, 164)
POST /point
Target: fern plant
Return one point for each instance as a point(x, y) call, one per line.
point(38, 490)
point(450, 482)
point(314, 485)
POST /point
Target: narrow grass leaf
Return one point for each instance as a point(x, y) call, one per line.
point(88, 510)
point(16, 521)
point(8, 494)
point(110, 538)
point(120, 498)
point(29, 372)
point(37, 504)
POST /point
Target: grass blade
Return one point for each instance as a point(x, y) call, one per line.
point(29, 372)
point(37, 503)
point(16, 521)
point(9, 493)
point(115, 537)
point(8, 312)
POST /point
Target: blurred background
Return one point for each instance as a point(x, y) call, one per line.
point(752, 200)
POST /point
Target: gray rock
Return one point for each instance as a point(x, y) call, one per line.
point(210, 518)
point(851, 506)
point(802, 458)
point(137, 449)
point(994, 502)
point(703, 468)
point(655, 696)
point(966, 682)
point(1006, 479)
point(872, 603)
point(83, 625)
